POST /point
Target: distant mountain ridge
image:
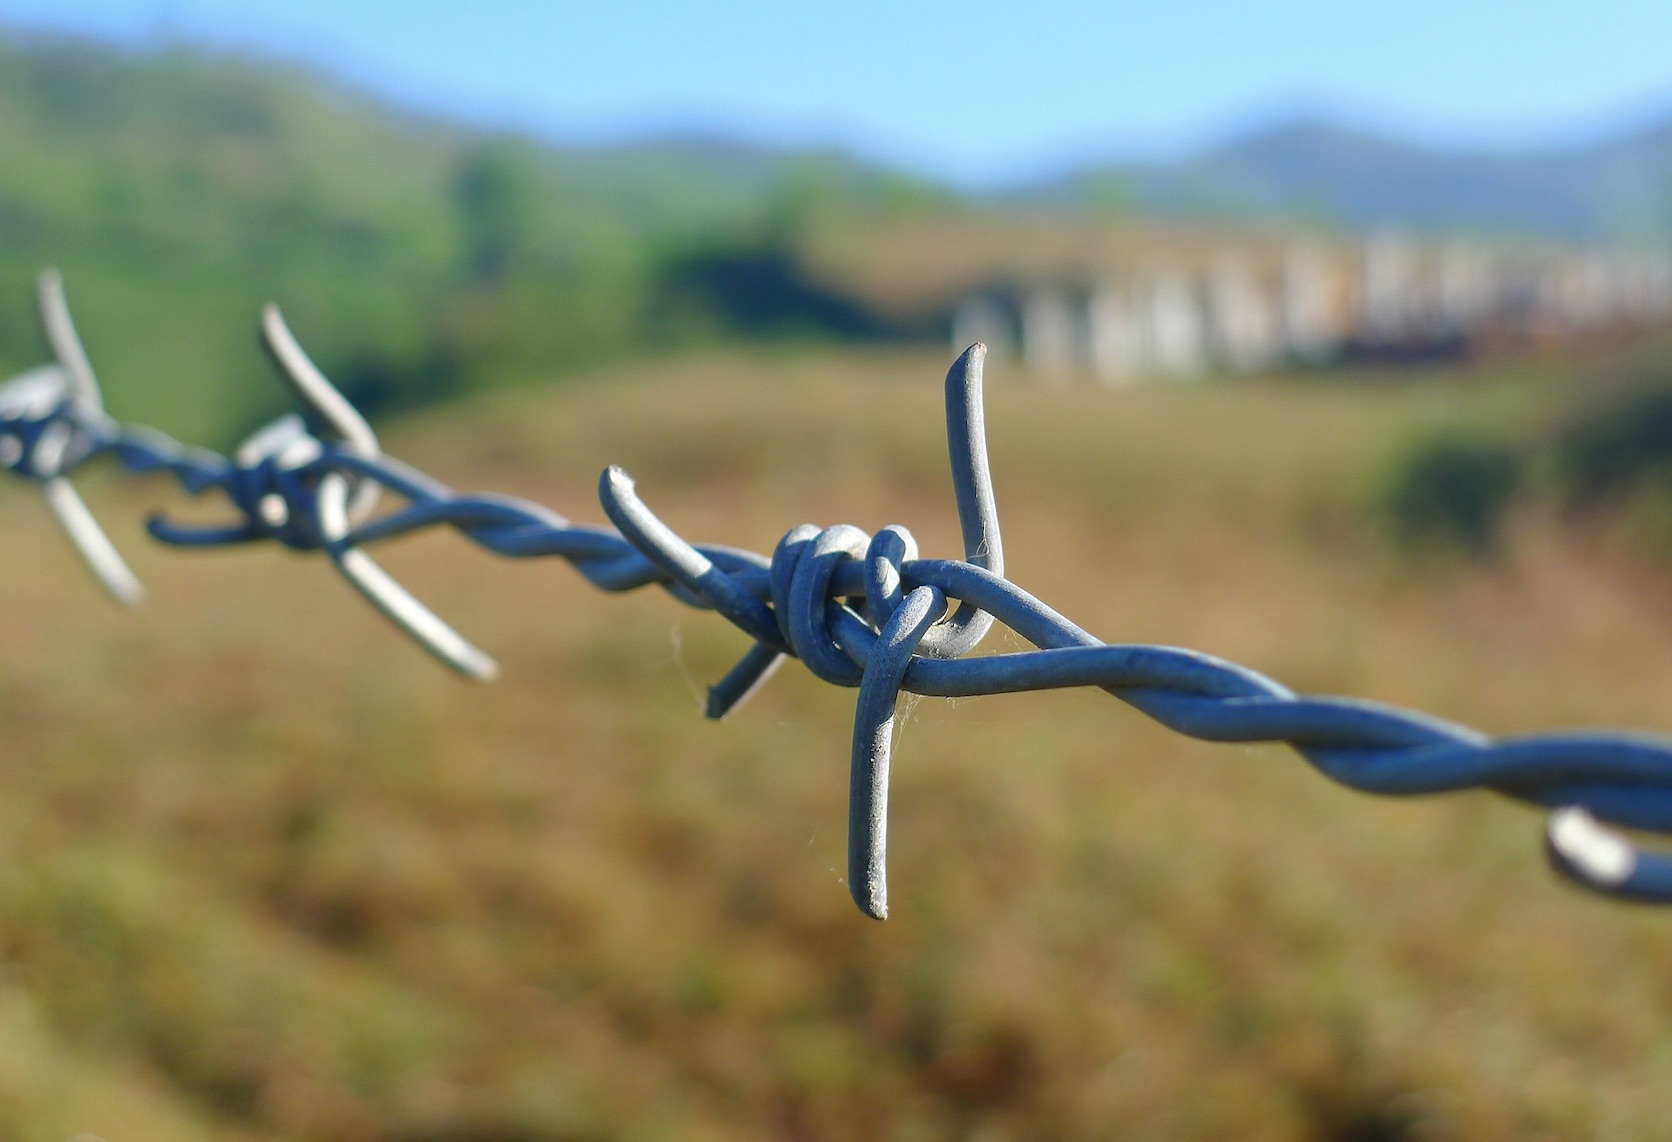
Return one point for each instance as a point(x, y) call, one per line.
point(1317, 170)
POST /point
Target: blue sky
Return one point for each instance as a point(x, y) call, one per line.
point(977, 92)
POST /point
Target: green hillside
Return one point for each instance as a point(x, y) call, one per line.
point(178, 192)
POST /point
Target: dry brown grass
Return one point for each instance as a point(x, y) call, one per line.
point(269, 874)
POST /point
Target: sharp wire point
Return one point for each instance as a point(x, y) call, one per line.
point(873, 735)
point(91, 542)
point(66, 344)
point(315, 391)
point(70, 411)
point(684, 564)
point(972, 488)
point(395, 601)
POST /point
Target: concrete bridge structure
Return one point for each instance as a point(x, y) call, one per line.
point(1257, 307)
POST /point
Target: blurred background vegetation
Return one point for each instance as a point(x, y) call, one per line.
point(178, 191)
point(266, 873)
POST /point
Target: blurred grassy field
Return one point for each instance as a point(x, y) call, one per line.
point(267, 873)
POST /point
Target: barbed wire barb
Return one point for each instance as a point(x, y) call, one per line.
point(857, 609)
point(60, 445)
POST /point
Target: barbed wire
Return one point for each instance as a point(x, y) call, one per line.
point(858, 610)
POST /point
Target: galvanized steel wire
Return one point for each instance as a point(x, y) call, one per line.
point(858, 610)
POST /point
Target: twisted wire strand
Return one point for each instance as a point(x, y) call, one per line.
point(858, 610)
